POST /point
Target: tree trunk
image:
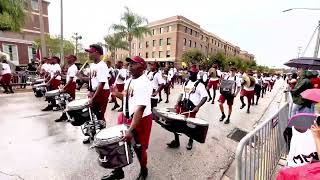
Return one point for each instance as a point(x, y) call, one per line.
point(129, 42)
point(113, 57)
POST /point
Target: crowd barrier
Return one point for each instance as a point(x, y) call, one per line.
point(259, 152)
point(23, 78)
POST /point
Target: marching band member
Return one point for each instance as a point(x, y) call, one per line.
point(257, 88)
point(45, 67)
point(247, 90)
point(137, 114)
point(121, 77)
point(229, 97)
point(214, 75)
point(70, 86)
point(194, 95)
point(54, 79)
point(5, 78)
point(99, 91)
point(155, 77)
point(167, 77)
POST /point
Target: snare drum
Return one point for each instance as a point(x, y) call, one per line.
point(39, 89)
point(197, 129)
point(39, 81)
point(171, 121)
point(113, 153)
point(78, 111)
point(53, 93)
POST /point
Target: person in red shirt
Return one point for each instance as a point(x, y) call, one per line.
point(315, 80)
point(5, 78)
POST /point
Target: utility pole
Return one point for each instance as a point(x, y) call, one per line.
point(299, 51)
point(316, 49)
point(77, 37)
point(42, 38)
point(61, 33)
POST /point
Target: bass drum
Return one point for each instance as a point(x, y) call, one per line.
point(112, 151)
point(197, 129)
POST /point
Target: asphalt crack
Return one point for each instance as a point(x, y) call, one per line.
point(12, 175)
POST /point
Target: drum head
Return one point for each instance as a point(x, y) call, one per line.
point(77, 104)
point(197, 121)
point(39, 85)
point(112, 132)
point(162, 110)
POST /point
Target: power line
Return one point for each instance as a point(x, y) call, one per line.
point(314, 32)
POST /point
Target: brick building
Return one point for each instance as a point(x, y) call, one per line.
point(172, 36)
point(19, 45)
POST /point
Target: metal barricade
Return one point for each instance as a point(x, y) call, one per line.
point(259, 152)
point(23, 78)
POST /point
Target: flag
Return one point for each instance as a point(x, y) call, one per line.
point(39, 55)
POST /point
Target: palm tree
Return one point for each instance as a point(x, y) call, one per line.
point(114, 42)
point(12, 14)
point(131, 26)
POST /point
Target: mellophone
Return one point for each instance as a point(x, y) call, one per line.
point(194, 128)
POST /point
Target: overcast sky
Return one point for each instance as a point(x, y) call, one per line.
point(257, 26)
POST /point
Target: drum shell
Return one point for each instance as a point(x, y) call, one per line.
point(196, 131)
point(79, 116)
point(113, 155)
point(39, 91)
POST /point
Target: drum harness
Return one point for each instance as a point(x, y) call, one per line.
point(185, 101)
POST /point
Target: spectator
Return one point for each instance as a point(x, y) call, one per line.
point(315, 80)
point(32, 66)
point(293, 80)
point(301, 105)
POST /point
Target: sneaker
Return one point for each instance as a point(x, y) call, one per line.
point(143, 174)
point(222, 117)
point(212, 102)
point(227, 121)
point(243, 105)
point(115, 107)
point(166, 101)
point(209, 99)
point(159, 100)
point(256, 103)
point(115, 174)
point(86, 140)
point(189, 145)
point(173, 144)
point(248, 111)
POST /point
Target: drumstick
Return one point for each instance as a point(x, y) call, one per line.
point(83, 65)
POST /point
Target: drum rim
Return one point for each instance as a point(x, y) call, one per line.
point(192, 122)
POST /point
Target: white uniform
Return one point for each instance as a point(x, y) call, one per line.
point(156, 79)
point(5, 69)
point(72, 71)
point(139, 92)
point(195, 95)
point(45, 67)
point(123, 73)
point(99, 73)
point(53, 69)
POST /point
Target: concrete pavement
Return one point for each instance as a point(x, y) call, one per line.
point(33, 146)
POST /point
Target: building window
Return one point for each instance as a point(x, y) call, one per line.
point(153, 54)
point(184, 41)
point(212, 41)
point(200, 46)
point(160, 42)
point(161, 30)
point(160, 54)
point(133, 45)
point(147, 44)
point(186, 30)
point(147, 55)
point(139, 54)
point(154, 43)
point(168, 54)
point(191, 32)
point(34, 5)
point(207, 39)
point(153, 31)
point(169, 28)
point(140, 45)
point(12, 50)
point(201, 37)
point(168, 41)
point(215, 43)
point(196, 33)
point(116, 56)
point(32, 53)
point(190, 43)
point(195, 44)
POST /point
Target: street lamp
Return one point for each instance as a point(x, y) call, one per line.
point(77, 37)
point(61, 32)
point(316, 49)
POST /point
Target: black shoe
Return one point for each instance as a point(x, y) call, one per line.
point(159, 100)
point(256, 103)
point(48, 108)
point(6, 92)
point(120, 110)
point(243, 105)
point(209, 99)
point(173, 144)
point(227, 121)
point(222, 117)
point(114, 175)
point(248, 111)
point(212, 102)
point(86, 140)
point(166, 101)
point(143, 174)
point(189, 145)
point(115, 107)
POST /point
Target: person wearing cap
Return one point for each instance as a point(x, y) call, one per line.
point(214, 76)
point(193, 96)
point(119, 83)
point(53, 80)
point(70, 86)
point(229, 98)
point(248, 83)
point(99, 90)
point(155, 76)
point(5, 75)
point(45, 68)
point(137, 114)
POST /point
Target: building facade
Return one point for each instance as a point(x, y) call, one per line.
point(172, 36)
point(19, 45)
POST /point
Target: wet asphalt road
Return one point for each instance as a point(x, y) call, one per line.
point(34, 147)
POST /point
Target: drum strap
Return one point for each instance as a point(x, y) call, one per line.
point(127, 102)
